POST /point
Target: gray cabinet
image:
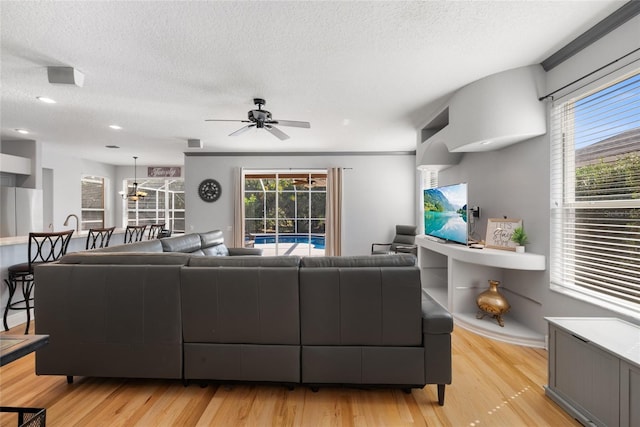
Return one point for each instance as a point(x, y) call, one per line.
point(594, 369)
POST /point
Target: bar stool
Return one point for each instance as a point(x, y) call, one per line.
point(134, 233)
point(154, 229)
point(99, 237)
point(43, 247)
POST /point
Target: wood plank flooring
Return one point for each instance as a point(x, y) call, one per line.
point(494, 384)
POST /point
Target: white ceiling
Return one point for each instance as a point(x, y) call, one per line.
point(363, 73)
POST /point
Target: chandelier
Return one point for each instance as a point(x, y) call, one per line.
point(135, 194)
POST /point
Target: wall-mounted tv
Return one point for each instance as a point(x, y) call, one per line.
point(445, 213)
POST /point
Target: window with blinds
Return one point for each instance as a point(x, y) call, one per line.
point(92, 212)
point(595, 189)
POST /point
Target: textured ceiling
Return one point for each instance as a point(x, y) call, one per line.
point(363, 73)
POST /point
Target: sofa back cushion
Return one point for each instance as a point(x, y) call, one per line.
point(185, 243)
point(399, 260)
point(143, 246)
point(239, 304)
point(360, 306)
point(109, 320)
point(211, 238)
point(245, 261)
point(129, 258)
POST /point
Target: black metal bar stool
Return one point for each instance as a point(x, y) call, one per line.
point(43, 247)
point(134, 233)
point(154, 229)
point(99, 237)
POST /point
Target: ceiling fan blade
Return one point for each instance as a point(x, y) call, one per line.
point(223, 120)
point(241, 130)
point(292, 123)
point(277, 132)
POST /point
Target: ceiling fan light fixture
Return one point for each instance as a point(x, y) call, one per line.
point(262, 119)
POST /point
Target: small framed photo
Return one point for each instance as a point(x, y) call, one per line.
point(499, 232)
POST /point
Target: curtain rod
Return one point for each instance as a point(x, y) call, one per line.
point(590, 74)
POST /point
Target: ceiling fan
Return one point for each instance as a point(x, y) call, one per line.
point(261, 119)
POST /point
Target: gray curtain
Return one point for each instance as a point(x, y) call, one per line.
point(333, 227)
point(238, 209)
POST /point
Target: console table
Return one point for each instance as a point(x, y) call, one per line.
point(454, 275)
point(594, 369)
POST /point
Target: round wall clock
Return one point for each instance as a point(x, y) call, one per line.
point(209, 190)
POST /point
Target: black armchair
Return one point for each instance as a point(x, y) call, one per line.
point(403, 242)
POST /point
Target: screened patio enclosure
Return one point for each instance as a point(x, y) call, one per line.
point(285, 212)
point(164, 203)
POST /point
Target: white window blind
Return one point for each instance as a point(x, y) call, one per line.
point(595, 186)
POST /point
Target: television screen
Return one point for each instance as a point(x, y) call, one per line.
point(445, 212)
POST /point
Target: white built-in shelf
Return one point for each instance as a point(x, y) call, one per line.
point(455, 274)
point(513, 332)
point(488, 257)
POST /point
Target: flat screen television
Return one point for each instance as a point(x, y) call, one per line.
point(445, 213)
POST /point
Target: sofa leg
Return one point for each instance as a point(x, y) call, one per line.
point(69, 379)
point(441, 394)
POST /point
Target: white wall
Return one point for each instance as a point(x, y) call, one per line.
point(379, 192)
point(67, 190)
point(514, 182)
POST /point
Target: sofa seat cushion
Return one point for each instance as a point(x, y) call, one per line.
point(399, 260)
point(216, 250)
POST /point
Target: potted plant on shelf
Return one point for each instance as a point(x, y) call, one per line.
point(520, 238)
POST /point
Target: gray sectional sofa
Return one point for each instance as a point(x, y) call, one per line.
point(313, 320)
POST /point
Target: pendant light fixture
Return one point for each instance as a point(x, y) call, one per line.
point(135, 194)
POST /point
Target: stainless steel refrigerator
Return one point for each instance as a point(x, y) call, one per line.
point(21, 211)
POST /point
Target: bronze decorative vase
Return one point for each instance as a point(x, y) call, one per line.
point(492, 302)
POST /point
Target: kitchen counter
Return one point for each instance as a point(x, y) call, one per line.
point(17, 240)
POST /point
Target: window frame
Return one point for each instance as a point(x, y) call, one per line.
point(564, 204)
point(86, 224)
point(278, 192)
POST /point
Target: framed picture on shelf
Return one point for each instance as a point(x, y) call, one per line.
point(499, 232)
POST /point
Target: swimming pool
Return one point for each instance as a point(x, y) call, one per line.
point(317, 241)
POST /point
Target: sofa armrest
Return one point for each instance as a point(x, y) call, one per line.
point(435, 318)
point(437, 325)
point(245, 251)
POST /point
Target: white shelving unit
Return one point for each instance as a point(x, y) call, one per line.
point(454, 275)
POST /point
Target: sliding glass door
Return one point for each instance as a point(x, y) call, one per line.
point(285, 212)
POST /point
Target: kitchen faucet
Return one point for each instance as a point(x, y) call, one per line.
point(66, 221)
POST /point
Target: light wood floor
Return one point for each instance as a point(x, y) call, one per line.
point(494, 384)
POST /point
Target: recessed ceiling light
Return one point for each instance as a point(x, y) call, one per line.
point(46, 100)
point(112, 146)
point(22, 131)
point(116, 127)
point(486, 142)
